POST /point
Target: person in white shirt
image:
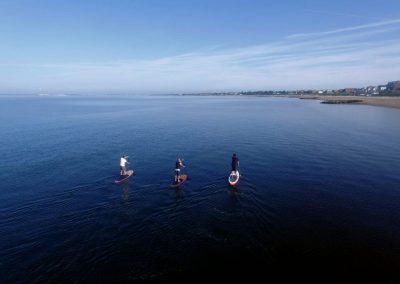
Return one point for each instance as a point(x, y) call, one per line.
point(122, 164)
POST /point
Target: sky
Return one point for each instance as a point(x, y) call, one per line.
point(177, 46)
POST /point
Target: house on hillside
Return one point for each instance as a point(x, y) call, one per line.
point(382, 88)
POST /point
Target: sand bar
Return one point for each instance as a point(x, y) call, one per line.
point(393, 102)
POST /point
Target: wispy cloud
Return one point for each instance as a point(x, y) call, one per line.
point(349, 29)
point(350, 56)
point(342, 14)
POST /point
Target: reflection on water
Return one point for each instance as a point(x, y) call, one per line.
point(180, 193)
point(126, 191)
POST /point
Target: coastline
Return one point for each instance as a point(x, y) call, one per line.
point(392, 102)
point(383, 101)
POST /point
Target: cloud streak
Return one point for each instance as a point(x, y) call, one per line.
point(349, 29)
point(351, 56)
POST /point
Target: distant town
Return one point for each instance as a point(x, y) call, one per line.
point(390, 89)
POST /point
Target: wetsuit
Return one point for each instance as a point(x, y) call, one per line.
point(235, 163)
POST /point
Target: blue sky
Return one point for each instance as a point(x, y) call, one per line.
point(146, 47)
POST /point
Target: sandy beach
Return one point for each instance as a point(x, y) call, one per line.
point(393, 102)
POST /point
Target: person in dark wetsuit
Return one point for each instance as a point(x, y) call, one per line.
point(235, 164)
point(178, 166)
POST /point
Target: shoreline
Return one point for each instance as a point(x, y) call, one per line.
point(392, 102)
point(382, 101)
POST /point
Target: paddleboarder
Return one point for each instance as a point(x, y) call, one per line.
point(235, 164)
point(178, 165)
point(122, 165)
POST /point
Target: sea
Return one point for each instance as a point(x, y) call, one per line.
point(319, 194)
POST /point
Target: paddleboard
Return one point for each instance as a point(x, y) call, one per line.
point(123, 178)
point(182, 179)
point(234, 179)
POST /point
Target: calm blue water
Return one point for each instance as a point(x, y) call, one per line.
point(320, 188)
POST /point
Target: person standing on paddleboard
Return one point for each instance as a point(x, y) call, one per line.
point(178, 165)
point(235, 164)
point(122, 164)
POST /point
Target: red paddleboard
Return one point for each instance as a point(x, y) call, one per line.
point(182, 179)
point(234, 179)
point(123, 178)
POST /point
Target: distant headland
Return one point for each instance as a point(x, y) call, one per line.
point(390, 89)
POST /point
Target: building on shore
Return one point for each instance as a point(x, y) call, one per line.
point(393, 86)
